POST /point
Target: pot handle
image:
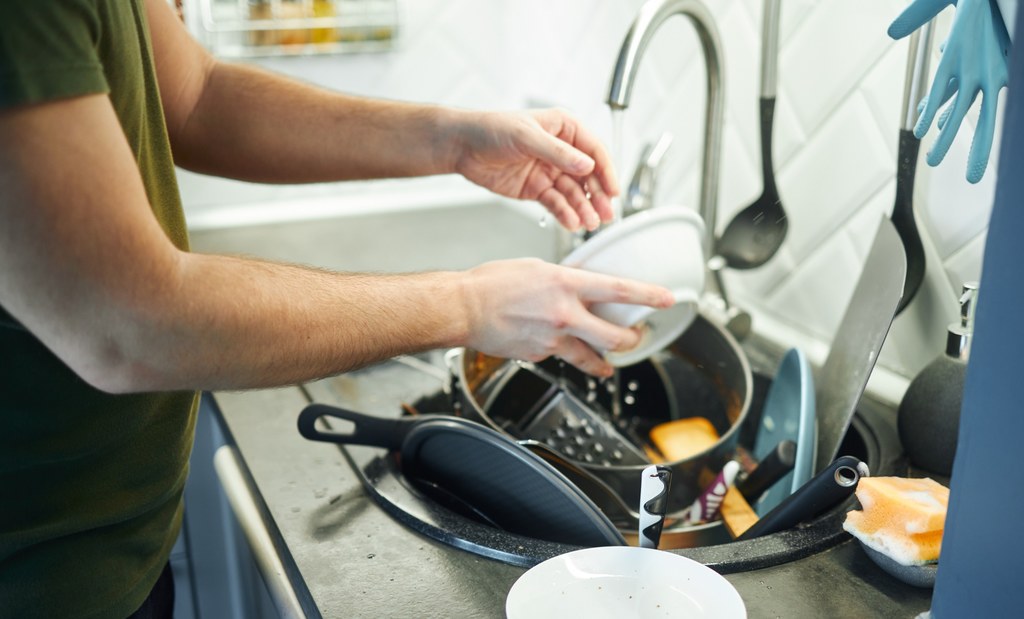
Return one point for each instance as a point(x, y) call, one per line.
point(367, 429)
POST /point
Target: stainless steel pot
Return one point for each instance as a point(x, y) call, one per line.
point(703, 373)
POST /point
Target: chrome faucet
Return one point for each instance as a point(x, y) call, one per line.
point(640, 194)
point(650, 17)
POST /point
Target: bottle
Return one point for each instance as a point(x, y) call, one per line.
point(928, 419)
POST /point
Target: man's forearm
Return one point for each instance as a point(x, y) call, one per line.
point(252, 125)
point(239, 323)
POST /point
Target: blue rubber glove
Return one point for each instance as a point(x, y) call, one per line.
point(974, 60)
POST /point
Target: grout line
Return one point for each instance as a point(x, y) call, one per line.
point(963, 248)
point(844, 95)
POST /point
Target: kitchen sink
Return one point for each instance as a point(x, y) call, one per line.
point(458, 237)
point(872, 438)
point(316, 516)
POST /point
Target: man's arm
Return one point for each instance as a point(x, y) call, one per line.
point(242, 122)
point(88, 270)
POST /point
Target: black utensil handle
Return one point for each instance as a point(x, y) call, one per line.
point(826, 489)
point(773, 467)
point(767, 105)
point(367, 430)
point(903, 215)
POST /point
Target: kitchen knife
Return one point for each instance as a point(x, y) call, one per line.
point(859, 339)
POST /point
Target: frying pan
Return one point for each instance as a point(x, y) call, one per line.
point(480, 468)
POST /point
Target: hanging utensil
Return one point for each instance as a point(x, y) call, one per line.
point(918, 55)
point(756, 233)
point(858, 340)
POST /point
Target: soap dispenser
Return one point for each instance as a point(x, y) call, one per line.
point(929, 414)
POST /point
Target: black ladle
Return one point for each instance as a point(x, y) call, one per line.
point(756, 233)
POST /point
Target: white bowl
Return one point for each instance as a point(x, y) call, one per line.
point(661, 246)
point(622, 581)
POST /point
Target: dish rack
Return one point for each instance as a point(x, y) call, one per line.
point(255, 28)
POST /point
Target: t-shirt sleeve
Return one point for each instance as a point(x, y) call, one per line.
point(48, 51)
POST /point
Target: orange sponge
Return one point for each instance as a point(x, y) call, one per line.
point(902, 518)
point(682, 438)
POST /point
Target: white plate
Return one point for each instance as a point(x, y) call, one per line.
point(661, 246)
point(622, 581)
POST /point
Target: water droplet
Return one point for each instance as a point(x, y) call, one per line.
point(543, 223)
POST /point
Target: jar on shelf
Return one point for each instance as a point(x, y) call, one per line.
point(293, 10)
point(261, 11)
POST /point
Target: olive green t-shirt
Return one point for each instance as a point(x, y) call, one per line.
point(90, 483)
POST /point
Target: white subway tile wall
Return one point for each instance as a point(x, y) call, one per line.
point(837, 121)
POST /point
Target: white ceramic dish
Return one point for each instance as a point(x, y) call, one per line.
point(663, 246)
point(622, 581)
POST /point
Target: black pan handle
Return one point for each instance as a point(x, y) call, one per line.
point(773, 467)
point(367, 430)
point(823, 491)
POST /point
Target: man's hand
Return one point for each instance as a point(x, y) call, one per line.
point(544, 155)
point(529, 309)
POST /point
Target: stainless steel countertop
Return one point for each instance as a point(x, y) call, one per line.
point(346, 557)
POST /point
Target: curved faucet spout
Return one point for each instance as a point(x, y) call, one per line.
point(651, 16)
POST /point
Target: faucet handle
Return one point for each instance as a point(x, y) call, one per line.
point(640, 193)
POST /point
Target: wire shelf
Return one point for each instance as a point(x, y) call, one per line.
point(255, 28)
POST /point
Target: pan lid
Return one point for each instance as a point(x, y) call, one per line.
point(507, 484)
point(478, 468)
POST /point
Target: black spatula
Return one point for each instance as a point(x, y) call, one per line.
point(906, 163)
